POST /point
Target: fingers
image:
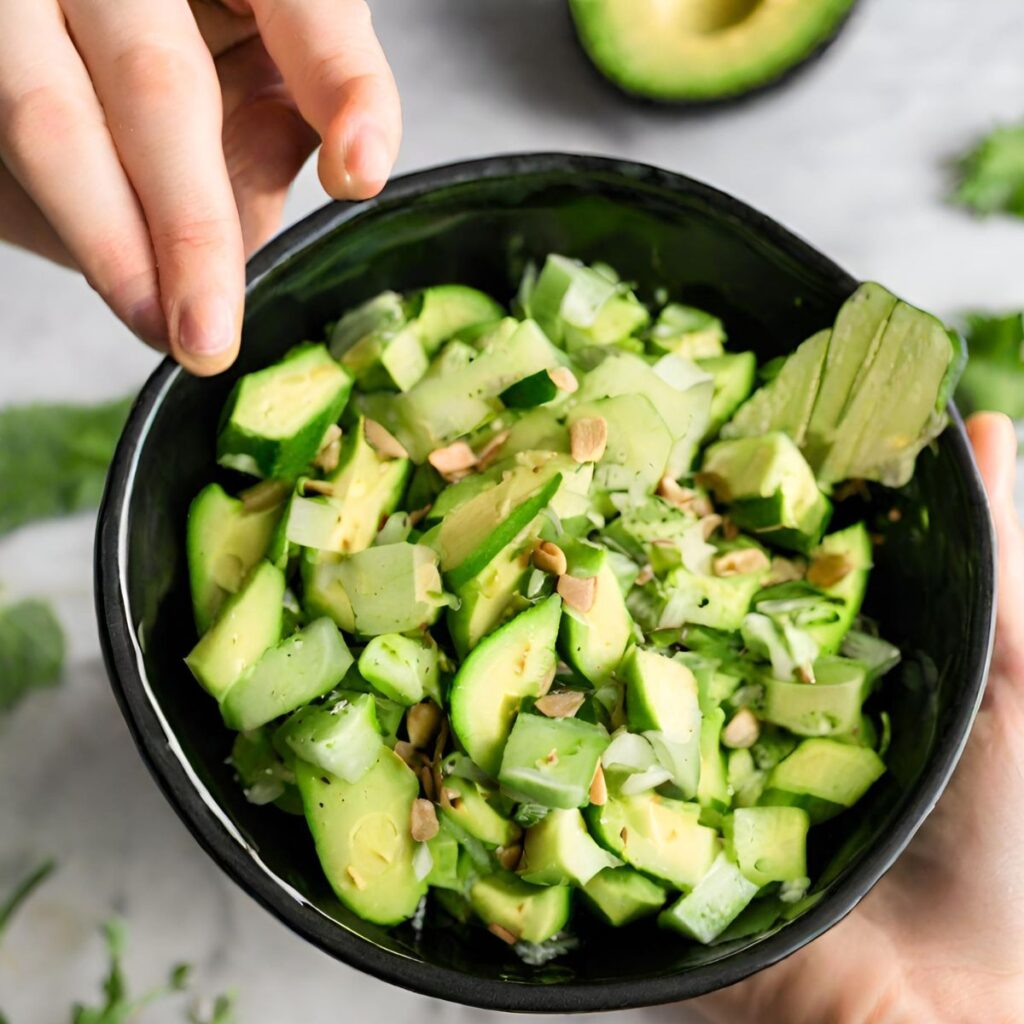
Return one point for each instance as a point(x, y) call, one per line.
point(55, 143)
point(995, 449)
point(157, 85)
point(266, 141)
point(334, 65)
point(23, 224)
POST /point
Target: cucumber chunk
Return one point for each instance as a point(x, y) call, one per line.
point(275, 419)
point(716, 901)
point(830, 706)
point(770, 843)
point(299, 669)
point(404, 669)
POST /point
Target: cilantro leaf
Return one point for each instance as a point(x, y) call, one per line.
point(31, 650)
point(994, 377)
point(22, 891)
point(992, 174)
point(54, 458)
point(222, 1011)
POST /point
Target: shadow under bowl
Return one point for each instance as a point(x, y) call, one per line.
point(479, 223)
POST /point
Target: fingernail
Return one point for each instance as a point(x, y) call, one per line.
point(367, 160)
point(148, 322)
point(206, 326)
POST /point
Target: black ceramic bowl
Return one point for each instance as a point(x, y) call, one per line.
point(477, 223)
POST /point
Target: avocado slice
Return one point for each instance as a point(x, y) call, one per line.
point(702, 50)
point(275, 419)
point(558, 850)
point(530, 913)
point(620, 896)
point(361, 831)
point(715, 902)
point(733, 374)
point(223, 544)
point(473, 811)
point(770, 843)
point(713, 788)
point(516, 661)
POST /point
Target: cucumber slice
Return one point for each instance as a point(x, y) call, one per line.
point(299, 669)
point(275, 419)
point(536, 389)
point(361, 831)
point(516, 661)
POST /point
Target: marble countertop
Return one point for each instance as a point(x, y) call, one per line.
point(852, 155)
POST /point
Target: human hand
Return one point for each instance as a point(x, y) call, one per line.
point(151, 145)
point(941, 937)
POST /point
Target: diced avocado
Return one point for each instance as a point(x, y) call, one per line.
point(224, 543)
point(551, 761)
point(770, 843)
point(713, 789)
point(853, 544)
point(275, 419)
point(656, 835)
point(662, 703)
point(341, 738)
point(895, 407)
point(440, 409)
point(262, 772)
point(444, 310)
point(823, 776)
point(516, 661)
point(362, 836)
point(714, 904)
point(444, 855)
point(639, 443)
point(769, 488)
point(577, 305)
point(734, 376)
point(829, 706)
point(484, 599)
point(558, 850)
point(531, 913)
point(694, 52)
point(688, 332)
point(472, 811)
point(402, 668)
point(299, 669)
point(594, 641)
point(248, 624)
point(786, 402)
point(622, 895)
point(393, 588)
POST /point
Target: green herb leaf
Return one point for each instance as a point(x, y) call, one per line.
point(994, 377)
point(54, 458)
point(31, 650)
point(22, 891)
point(221, 1012)
point(992, 174)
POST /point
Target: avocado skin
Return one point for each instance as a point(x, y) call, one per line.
point(710, 105)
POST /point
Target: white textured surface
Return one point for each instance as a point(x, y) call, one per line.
point(851, 156)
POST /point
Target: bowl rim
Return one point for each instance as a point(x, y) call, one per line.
point(214, 831)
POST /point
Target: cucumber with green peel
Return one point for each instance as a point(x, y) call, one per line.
point(715, 902)
point(275, 419)
point(770, 843)
point(402, 668)
point(471, 810)
point(713, 787)
point(537, 389)
point(734, 375)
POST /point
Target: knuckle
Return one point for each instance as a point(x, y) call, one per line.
point(183, 239)
point(41, 117)
point(155, 71)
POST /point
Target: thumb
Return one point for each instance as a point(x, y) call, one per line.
point(994, 442)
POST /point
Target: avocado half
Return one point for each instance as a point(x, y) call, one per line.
point(699, 51)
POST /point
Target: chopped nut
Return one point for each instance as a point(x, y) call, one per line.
point(421, 722)
point(645, 575)
point(503, 933)
point(588, 438)
point(730, 531)
point(330, 450)
point(851, 488)
point(805, 673)
point(742, 731)
point(266, 494)
point(509, 856)
point(740, 562)
point(598, 788)
point(828, 568)
point(357, 879)
point(423, 824)
point(684, 498)
point(564, 379)
point(549, 557)
point(453, 462)
point(427, 782)
point(324, 487)
point(490, 451)
point(560, 705)
point(439, 743)
point(409, 754)
point(894, 515)
point(577, 593)
point(877, 539)
point(417, 515)
point(383, 440)
point(708, 524)
point(784, 570)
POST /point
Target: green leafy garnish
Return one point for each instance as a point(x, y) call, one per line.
point(992, 174)
point(222, 1011)
point(31, 650)
point(54, 458)
point(22, 891)
point(994, 377)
